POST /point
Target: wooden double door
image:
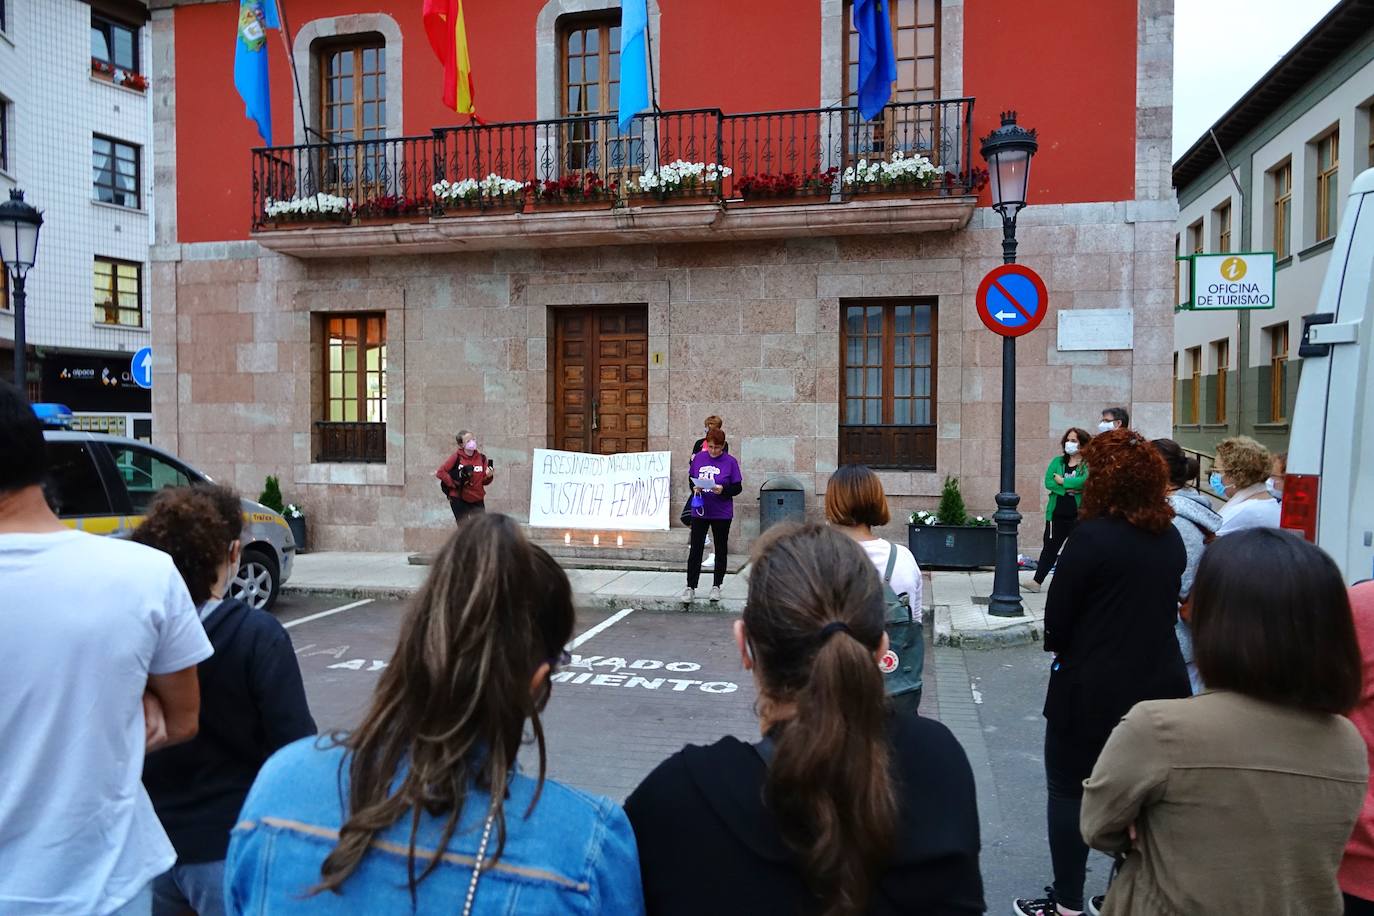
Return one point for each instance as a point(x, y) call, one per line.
point(601, 379)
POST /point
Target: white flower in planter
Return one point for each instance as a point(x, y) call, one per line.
point(901, 169)
point(678, 173)
point(320, 204)
point(469, 189)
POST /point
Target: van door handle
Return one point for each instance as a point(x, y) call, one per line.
point(595, 421)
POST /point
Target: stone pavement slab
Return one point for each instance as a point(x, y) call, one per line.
point(960, 601)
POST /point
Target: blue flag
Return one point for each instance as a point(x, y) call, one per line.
point(250, 62)
point(877, 63)
point(634, 80)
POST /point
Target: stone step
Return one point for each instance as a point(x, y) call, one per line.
point(655, 551)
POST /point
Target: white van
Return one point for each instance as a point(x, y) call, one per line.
point(1328, 493)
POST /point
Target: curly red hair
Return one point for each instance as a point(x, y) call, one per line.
point(1129, 480)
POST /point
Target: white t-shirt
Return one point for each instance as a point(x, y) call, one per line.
point(83, 621)
point(906, 575)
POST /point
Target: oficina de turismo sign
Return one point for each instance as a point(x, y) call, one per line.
point(1243, 280)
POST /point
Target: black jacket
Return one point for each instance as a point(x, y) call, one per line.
point(252, 702)
point(707, 844)
point(1110, 616)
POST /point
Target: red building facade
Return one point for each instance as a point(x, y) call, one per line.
point(828, 321)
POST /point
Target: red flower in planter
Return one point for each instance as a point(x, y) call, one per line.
point(134, 81)
point(787, 184)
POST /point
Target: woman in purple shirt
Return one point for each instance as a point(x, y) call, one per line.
point(713, 511)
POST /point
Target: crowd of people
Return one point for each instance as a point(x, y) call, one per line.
point(181, 770)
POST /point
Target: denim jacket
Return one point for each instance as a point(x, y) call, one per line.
point(574, 853)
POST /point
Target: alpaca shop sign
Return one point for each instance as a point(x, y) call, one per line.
point(1233, 281)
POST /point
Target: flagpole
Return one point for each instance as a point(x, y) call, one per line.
point(295, 74)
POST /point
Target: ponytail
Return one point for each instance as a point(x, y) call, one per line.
point(815, 619)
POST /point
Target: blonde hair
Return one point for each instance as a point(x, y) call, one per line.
point(1246, 461)
point(714, 422)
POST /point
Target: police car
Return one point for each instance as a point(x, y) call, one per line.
point(103, 484)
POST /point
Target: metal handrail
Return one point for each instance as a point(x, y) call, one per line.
point(589, 158)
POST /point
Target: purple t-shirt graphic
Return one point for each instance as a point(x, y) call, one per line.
point(724, 471)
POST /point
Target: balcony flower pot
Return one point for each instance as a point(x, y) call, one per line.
point(684, 197)
point(542, 203)
point(953, 546)
point(487, 206)
point(765, 189)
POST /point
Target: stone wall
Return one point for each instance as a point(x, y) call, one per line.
point(469, 345)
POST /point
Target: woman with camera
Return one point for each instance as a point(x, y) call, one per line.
point(464, 477)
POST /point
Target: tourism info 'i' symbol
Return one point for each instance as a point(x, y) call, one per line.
point(1233, 269)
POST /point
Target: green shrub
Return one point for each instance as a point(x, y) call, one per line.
point(951, 510)
point(271, 496)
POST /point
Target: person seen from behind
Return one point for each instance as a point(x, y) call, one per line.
point(1064, 480)
point(1109, 620)
point(422, 809)
point(1114, 418)
point(1240, 800)
point(1239, 474)
point(252, 701)
point(855, 504)
point(844, 807)
point(101, 646)
point(464, 477)
point(1197, 524)
point(716, 481)
point(1356, 876)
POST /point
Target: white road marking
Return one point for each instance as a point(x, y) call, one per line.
point(329, 613)
point(600, 627)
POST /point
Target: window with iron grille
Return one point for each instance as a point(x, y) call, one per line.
point(353, 107)
point(1328, 167)
point(118, 292)
point(916, 47)
point(589, 91)
point(887, 383)
point(354, 373)
point(115, 171)
point(113, 43)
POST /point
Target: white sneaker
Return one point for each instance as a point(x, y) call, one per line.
point(715, 593)
point(687, 595)
point(708, 560)
point(708, 539)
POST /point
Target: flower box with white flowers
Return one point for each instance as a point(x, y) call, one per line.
point(300, 212)
point(470, 196)
point(680, 182)
point(950, 538)
point(900, 176)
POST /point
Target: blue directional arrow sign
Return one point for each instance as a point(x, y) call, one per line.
point(1012, 300)
point(141, 367)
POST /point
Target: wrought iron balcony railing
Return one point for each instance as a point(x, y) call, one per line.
point(816, 155)
point(350, 442)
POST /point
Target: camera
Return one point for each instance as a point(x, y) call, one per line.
point(463, 475)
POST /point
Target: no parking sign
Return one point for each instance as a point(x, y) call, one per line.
point(1012, 300)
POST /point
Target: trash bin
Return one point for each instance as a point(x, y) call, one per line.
point(781, 499)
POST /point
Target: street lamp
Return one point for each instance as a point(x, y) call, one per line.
point(1008, 151)
point(19, 225)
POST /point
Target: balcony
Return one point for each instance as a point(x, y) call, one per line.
point(355, 443)
point(694, 175)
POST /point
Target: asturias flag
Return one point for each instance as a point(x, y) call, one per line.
point(877, 63)
point(250, 62)
point(634, 83)
point(449, 39)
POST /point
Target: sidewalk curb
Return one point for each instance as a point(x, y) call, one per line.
point(1017, 634)
point(665, 604)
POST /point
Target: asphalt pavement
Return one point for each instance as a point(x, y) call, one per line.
point(642, 684)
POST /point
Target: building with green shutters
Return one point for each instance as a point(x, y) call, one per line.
point(1271, 175)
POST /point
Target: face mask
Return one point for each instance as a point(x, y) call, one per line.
point(1070, 448)
point(1273, 490)
point(1106, 426)
point(1215, 482)
point(470, 445)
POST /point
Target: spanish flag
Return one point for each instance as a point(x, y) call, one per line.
point(449, 39)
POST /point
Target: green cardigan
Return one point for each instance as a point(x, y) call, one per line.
point(1076, 476)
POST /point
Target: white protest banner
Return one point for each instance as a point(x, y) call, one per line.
point(574, 490)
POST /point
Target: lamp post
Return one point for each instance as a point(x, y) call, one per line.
point(1008, 151)
point(19, 225)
